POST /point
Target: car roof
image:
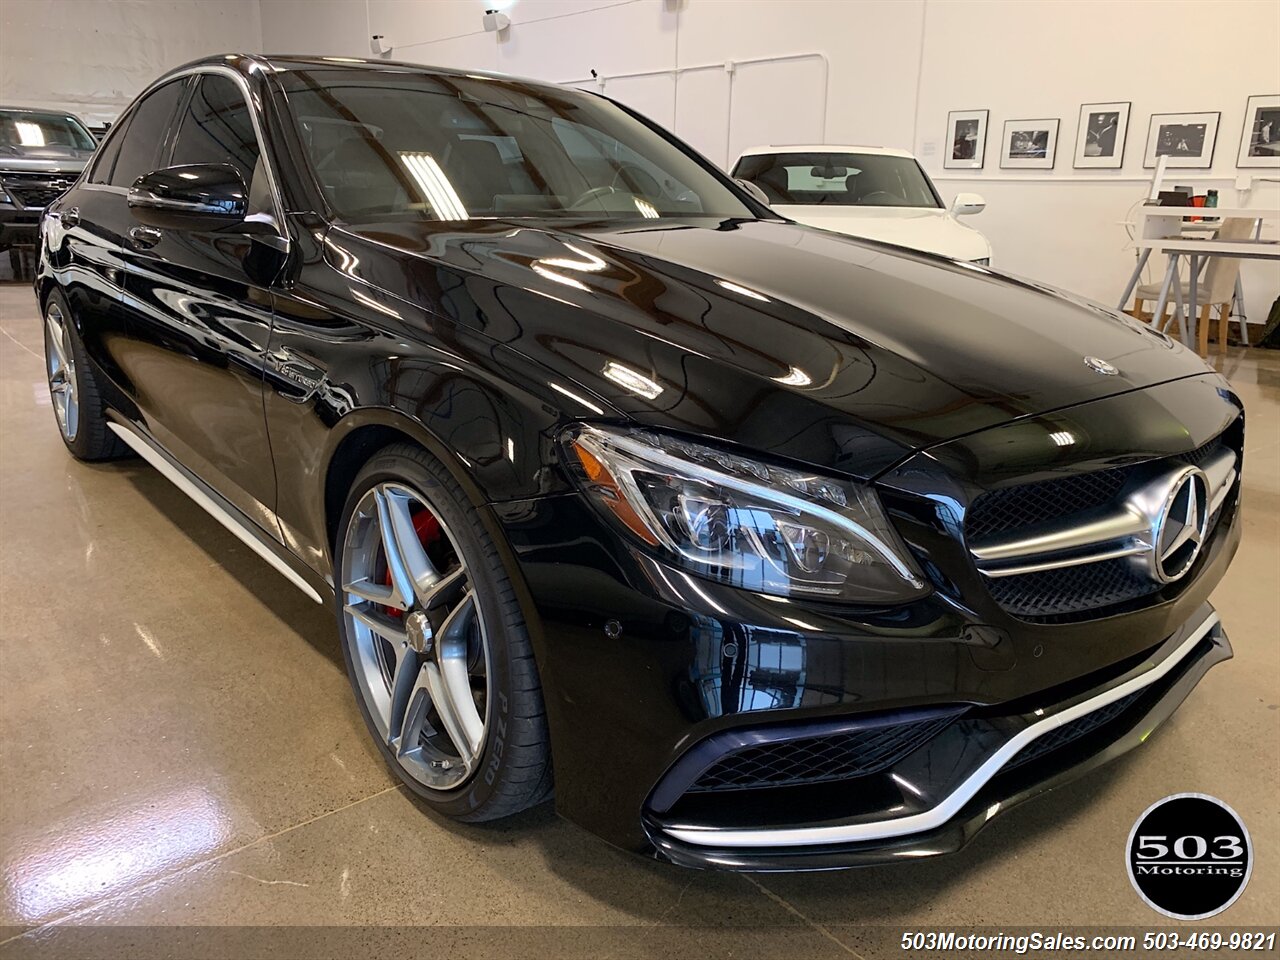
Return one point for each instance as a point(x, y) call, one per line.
point(46, 111)
point(248, 63)
point(825, 148)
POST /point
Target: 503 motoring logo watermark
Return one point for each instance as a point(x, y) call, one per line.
point(1189, 856)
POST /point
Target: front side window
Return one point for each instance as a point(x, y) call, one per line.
point(456, 147)
point(22, 131)
point(839, 179)
point(216, 127)
point(148, 127)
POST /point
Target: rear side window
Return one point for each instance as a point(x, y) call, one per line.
point(148, 127)
point(105, 158)
point(216, 128)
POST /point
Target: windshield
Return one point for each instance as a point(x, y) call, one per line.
point(23, 129)
point(839, 179)
point(404, 144)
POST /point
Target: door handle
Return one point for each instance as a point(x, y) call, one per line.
point(145, 236)
point(71, 218)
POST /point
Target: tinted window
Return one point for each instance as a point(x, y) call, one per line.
point(216, 128)
point(839, 179)
point(105, 158)
point(457, 147)
point(148, 126)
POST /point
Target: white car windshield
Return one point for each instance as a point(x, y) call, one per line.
point(839, 179)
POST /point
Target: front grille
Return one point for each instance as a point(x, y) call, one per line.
point(1071, 589)
point(1016, 507)
point(35, 192)
point(1074, 730)
point(1087, 590)
point(817, 759)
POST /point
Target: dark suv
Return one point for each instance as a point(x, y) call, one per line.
point(41, 154)
point(783, 550)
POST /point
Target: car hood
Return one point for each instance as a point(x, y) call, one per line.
point(840, 353)
point(48, 159)
point(933, 231)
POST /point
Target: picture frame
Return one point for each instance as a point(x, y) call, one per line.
point(966, 145)
point(1029, 144)
point(1101, 134)
point(1187, 139)
point(1260, 138)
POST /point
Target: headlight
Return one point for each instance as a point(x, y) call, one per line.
point(749, 524)
point(982, 261)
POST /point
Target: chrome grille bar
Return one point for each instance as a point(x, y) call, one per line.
point(1124, 530)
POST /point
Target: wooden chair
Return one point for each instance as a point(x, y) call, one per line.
point(1215, 291)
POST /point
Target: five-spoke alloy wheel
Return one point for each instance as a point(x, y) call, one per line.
point(60, 362)
point(435, 643)
point(422, 659)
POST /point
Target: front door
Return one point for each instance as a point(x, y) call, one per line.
point(200, 316)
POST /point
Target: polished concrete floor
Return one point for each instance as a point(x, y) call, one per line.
point(179, 746)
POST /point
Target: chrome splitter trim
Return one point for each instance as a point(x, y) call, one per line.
point(938, 815)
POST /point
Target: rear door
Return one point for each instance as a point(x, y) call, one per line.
point(200, 312)
point(94, 217)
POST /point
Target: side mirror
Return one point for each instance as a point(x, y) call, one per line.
point(967, 203)
point(756, 193)
point(199, 196)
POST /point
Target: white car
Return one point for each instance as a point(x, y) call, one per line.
point(871, 192)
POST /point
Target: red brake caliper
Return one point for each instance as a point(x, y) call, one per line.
point(427, 527)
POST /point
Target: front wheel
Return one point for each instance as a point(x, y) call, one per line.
point(435, 644)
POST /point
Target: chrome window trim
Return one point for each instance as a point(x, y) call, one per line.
point(938, 815)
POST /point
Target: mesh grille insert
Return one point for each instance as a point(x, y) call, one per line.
point(1073, 731)
point(817, 759)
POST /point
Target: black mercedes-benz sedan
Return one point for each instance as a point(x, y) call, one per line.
point(773, 549)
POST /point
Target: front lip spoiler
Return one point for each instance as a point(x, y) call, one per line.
point(949, 825)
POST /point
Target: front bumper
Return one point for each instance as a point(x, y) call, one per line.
point(960, 789)
point(19, 226)
point(647, 669)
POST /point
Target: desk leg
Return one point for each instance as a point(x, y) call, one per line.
point(1189, 337)
point(1157, 318)
point(1244, 317)
point(1179, 309)
point(1134, 277)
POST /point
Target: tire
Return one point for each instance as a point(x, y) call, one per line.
point(73, 387)
point(387, 645)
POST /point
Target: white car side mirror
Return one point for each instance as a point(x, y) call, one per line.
point(751, 188)
point(967, 203)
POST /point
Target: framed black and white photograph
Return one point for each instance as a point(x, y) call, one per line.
point(1029, 144)
point(1101, 135)
point(966, 139)
point(1187, 139)
point(1260, 141)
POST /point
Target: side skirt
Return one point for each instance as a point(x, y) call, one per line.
point(215, 506)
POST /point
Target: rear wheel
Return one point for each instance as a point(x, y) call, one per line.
point(435, 645)
point(77, 402)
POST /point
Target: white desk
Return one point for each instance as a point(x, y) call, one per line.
point(1161, 230)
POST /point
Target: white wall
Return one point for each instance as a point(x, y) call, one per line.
point(91, 57)
point(884, 72)
point(1044, 59)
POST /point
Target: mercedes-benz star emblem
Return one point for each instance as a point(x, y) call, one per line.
point(1098, 365)
point(1182, 525)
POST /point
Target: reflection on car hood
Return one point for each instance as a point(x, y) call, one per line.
point(837, 352)
point(48, 159)
point(930, 230)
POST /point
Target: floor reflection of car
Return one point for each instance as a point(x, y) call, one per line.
point(41, 155)
point(870, 192)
